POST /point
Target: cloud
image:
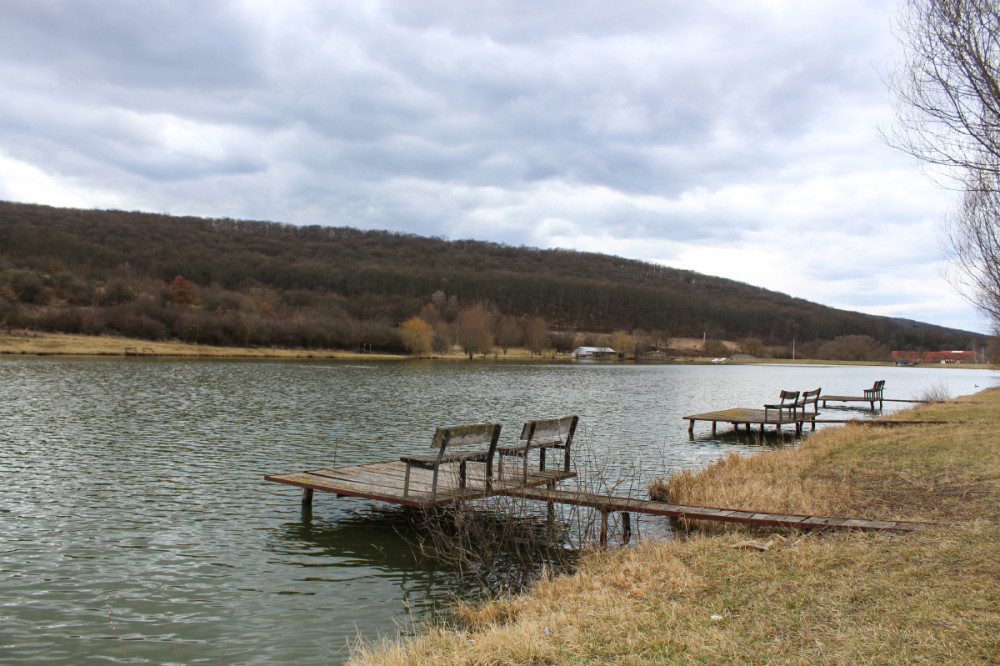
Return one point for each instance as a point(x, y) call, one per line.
point(732, 139)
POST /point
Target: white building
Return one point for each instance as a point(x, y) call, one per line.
point(594, 352)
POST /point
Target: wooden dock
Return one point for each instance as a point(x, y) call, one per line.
point(383, 481)
point(607, 504)
point(871, 403)
point(743, 416)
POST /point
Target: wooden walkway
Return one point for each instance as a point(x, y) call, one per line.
point(740, 416)
point(871, 403)
point(607, 504)
point(383, 481)
point(749, 417)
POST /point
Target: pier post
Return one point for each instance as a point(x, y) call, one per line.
point(550, 506)
point(626, 527)
point(604, 528)
point(307, 497)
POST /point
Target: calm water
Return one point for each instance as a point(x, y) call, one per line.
point(134, 487)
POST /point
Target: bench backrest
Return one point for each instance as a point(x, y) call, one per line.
point(789, 396)
point(876, 389)
point(810, 397)
point(467, 435)
point(550, 430)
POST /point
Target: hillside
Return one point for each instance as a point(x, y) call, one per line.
point(224, 281)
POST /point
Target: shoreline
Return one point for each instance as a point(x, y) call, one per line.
point(708, 597)
point(65, 344)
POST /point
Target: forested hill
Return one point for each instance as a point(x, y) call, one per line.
point(270, 283)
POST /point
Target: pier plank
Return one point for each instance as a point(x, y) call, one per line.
point(383, 481)
point(624, 504)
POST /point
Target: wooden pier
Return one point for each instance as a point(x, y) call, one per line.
point(384, 481)
point(607, 504)
point(743, 416)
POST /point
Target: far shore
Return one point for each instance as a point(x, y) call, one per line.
point(30, 343)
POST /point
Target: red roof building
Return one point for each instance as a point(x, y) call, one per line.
point(937, 357)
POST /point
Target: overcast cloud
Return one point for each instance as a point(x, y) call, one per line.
point(733, 139)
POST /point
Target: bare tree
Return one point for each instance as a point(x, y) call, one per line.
point(536, 335)
point(509, 333)
point(974, 243)
point(474, 330)
point(947, 101)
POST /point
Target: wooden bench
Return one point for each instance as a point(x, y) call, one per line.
point(875, 393)
point(871, 396)
point(788, 400)
point(802, 405)
point(483, 437)
point(541, 434)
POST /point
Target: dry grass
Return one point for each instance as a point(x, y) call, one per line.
point(61, 344)
point(929, 597)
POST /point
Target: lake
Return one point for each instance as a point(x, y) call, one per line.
point(133, 488)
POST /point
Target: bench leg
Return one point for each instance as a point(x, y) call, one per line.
point(434, 483)
point(541, 458)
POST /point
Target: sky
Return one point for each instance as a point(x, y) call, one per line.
point(736, 139)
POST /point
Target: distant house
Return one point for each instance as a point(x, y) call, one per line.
point(594, 352)
point(912, 358)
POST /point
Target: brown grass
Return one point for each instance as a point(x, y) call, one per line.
point(60, 344)
point(929, 597)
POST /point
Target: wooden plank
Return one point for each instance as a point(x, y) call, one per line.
point(383, 481)
point(610, 503)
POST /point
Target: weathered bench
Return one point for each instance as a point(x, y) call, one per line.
point(788, 401)
point(802, 405)
point(482, 437)
point(541, 434)
point(875, 393)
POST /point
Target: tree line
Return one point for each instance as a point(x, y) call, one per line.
point(232, 282)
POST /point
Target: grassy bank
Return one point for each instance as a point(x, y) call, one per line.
point(58, 344)
point(929, 597)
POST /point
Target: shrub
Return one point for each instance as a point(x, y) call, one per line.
point(715, 348)
point(137, 326)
